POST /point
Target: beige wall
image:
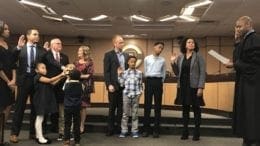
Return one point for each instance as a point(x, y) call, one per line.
point(224, 45)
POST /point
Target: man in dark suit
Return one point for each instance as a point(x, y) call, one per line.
point(55, 62)
point(113, 60)
point(27, 55)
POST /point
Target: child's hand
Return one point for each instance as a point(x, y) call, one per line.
point(119, 71)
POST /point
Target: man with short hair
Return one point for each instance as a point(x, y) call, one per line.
point(113, 60)
point(154, 71)
point(55, 62)
point(27, 55)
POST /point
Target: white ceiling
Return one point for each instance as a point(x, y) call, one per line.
point(216, 20)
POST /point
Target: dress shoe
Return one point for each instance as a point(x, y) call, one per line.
point(196, 136)
point(185, 135)
point(155, 135)
point(145, 134)
point(13, 139)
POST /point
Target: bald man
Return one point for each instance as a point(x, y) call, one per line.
point(55, 62)
point(246, 62)
point(113, 60)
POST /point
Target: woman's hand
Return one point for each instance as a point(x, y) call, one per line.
point(200, 92)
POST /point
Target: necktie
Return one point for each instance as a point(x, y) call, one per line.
point(57, 57)
point(32, 56)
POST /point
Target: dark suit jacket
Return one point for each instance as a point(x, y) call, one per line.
point(111, 64)
point(53, 69)
point(22, 62)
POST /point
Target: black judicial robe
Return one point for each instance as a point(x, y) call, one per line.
point(246, 119)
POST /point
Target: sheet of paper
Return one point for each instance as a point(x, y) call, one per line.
point(218, 56)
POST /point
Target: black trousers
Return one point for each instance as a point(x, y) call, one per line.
point(186, 116)
point(153, 88)
point(69, 114)
point(115, 105)
point(25, 90)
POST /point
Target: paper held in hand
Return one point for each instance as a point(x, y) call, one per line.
point(218, 56)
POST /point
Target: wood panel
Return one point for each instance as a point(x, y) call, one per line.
point(98, 96)
point(170, 90)
point(226, 96)
point(211, 95)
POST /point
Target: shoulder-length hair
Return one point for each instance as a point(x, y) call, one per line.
point(183, 45)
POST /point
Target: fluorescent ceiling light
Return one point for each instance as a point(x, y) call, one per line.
point(52, 18)
point(34, 4)
point(49, 11)
point(191, 19)
point(168, 18)
point(99, 17)
point(72, 17)
point(187, 11)
point(200, 3)
point(141, 18)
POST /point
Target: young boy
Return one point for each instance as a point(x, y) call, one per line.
point(131, 80)
point(72, 102)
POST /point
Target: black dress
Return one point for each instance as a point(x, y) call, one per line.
point(7, 64)
point(185, 94)
point(44, 100)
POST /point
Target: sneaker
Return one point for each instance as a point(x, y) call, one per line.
point(135, 134)
point(122, 135)
point(60, 138)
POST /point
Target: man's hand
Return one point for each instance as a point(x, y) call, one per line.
point(230, 64)
point(46, 46)
point(21, 42)
point(111, 88)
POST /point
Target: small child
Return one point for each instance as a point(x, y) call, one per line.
point(131, 80)
point(72, 102)
point(44, 100)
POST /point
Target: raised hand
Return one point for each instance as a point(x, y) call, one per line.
point(46, 46)
point(173, 57)
point(119, 71)
point(21, 41)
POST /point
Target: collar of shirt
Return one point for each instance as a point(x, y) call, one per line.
point(249, 32)
point(54, 53)
point(29, 45)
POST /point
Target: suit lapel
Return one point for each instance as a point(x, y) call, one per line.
point(115, 58)
point(194, 56)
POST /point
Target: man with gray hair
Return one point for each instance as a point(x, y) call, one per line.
point(55, 62)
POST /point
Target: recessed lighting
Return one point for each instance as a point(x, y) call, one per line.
point(168, 18)
point(49, 11)
point(73, 17)
point(52, 18)
point(141, 18)
point(99, 17)
point(200, 3)
point(188, 18)
point(187, 11)
point(34, 4)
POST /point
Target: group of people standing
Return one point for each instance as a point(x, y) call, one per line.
point(124, 85)
point(40, 73)
point(45, 72)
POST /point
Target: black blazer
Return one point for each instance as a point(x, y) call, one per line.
point(21, 58)
point(111, 64)
point(53, 66)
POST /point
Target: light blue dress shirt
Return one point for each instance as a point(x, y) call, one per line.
point(154, 66)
